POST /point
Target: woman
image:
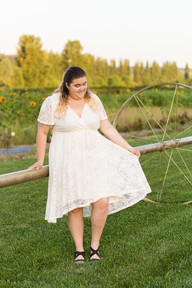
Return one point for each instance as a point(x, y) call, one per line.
point(88, 174)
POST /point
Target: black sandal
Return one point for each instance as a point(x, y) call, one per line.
point(77, 253)
point(94, 252)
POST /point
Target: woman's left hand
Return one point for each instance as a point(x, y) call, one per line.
point(136, 152)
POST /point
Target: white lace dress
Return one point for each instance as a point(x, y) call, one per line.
point(84, 166)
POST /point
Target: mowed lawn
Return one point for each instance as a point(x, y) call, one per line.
point(146, 245)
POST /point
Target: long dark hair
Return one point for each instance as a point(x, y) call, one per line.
point(70, 74)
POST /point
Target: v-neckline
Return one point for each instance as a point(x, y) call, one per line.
point(80, 117)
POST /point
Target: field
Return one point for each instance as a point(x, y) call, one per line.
point(146, 245)
point(19, 110)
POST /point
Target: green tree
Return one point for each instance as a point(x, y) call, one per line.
point(55, 70)
point(127, 67)
point(126, 80)
point(72, 54)
point(155, 73)
point(136, 73)
point(88, 64)
point(169, 71)
point(17, 77)
point(141, 72)
point(112, 67)
point(124, 68)
point(32, 60)
point(146, 75)
point(186, 75)
point(115, 80)
point(102, 67)
point(6, 70)
point(126, 73)
point(121, 71)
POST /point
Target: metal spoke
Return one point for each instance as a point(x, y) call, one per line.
point(159, 174)
point(149, 157)
point(184, 162)
point(176, 113)
point(141, 138)
point(184, 132)
point(178, 167)
point(169, 113)
point(184, 149)
point(137, 99)
point(154, 119)
point(165, 176)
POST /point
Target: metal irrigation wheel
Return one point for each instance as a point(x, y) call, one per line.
point(158, 120)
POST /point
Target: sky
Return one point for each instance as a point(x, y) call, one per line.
point(138, 30)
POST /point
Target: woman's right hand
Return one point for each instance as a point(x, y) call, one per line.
point(37, 165)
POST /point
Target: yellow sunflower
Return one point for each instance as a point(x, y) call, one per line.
point(3, 100)
point(32, 104)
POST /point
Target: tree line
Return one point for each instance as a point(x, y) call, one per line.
point(33, 67)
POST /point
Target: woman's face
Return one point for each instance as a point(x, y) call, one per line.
point(77, 88)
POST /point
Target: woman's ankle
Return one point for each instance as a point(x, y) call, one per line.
point(94, 244)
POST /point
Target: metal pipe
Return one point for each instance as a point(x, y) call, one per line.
point(33, 174)
point(163, 145)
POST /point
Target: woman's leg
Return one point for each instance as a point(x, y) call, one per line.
point(75, 222)
point(98, 218)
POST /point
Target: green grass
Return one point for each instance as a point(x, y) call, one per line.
point(146, 245)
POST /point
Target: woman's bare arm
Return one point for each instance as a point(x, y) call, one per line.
point(110, 132)
point(41, 141)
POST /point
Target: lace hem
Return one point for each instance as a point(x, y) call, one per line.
point(122, 202)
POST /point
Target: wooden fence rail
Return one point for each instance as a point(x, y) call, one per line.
point(33, 174)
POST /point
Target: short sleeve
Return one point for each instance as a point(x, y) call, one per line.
point(46, 112)
point(102, 112)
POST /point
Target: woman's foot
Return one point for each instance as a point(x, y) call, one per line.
point(94, 254)
point(79, 257)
